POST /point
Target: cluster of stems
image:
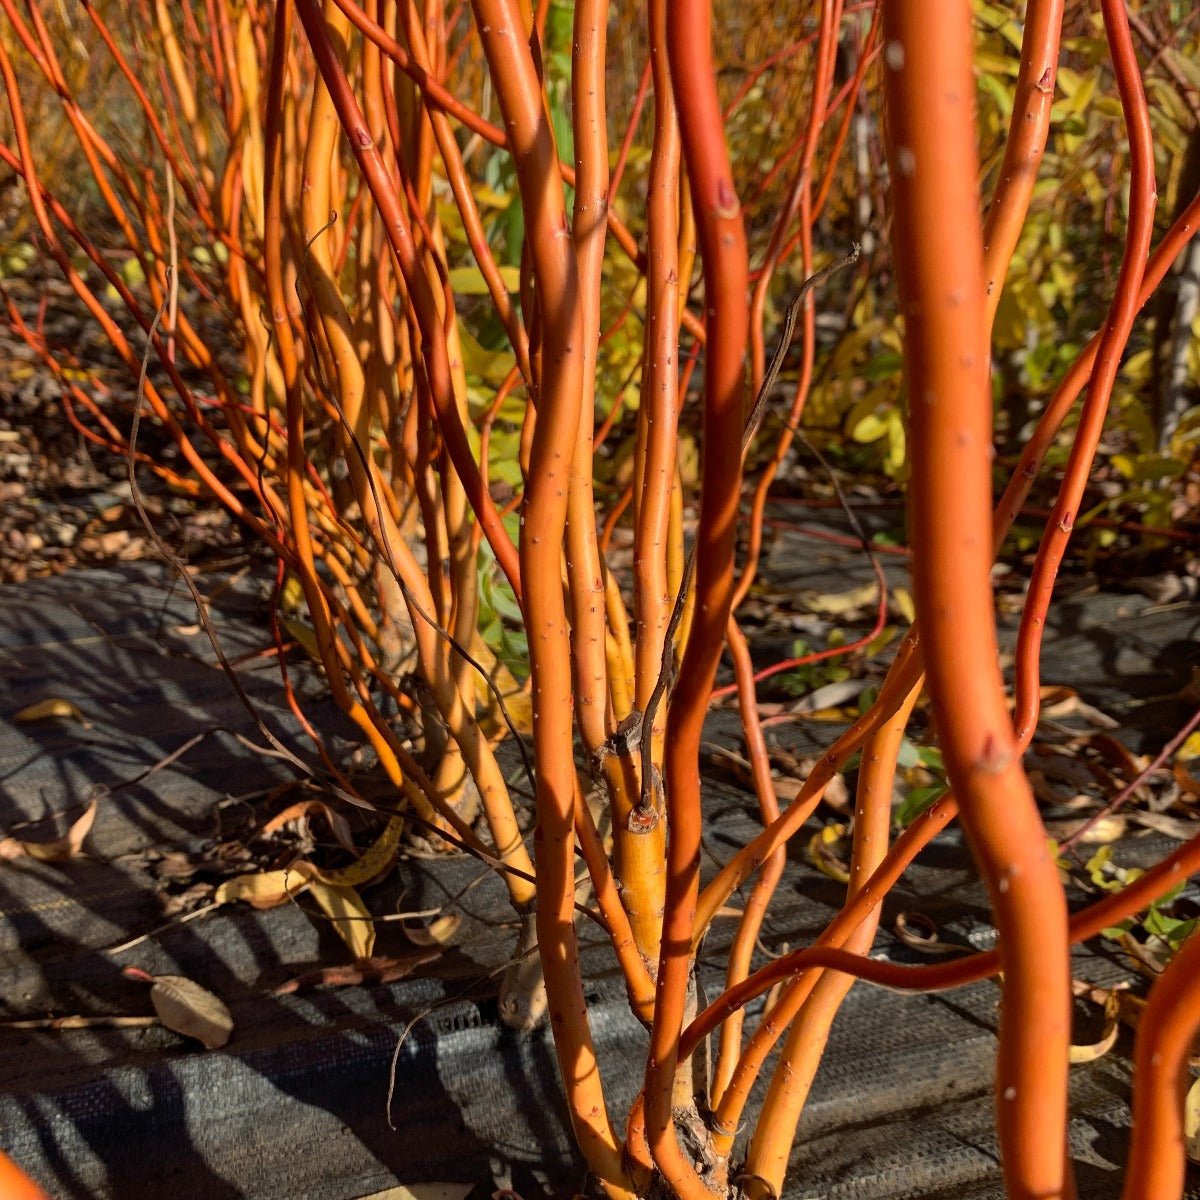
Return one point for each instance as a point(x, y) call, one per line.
point(316, 175)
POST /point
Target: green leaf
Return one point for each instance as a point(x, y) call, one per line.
point(917, 801)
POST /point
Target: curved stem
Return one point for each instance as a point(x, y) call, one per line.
point(1157, 1166)
point(938, 248)
point(1113, 338)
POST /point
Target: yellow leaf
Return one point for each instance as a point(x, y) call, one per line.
point(840, 603)
point(304, 636)
point(517, 700)
point(265, 889)
point(897, 443)
point(45, 710)
point(489, 365)
point(1191, 748)
point(1138, 367)
point(291, 595)
point(870, 428)
point(375, 860)
point(60, 849)
point(903, 603)
point(438, 932)
point(1191, 1121)
point(348, 914)
point(132, 273)
point(822, 854)
point(489, 197)
point(1125, 464)
point(1083, 94)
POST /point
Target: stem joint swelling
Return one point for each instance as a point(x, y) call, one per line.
point(630, 741)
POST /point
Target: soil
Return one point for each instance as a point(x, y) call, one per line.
point(64, 501)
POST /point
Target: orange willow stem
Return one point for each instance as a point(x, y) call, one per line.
point(1077, 377)
point(742, 950)
point(1157, 1166)
point(938, 247)
point(905, 673)
point(811, 960)
point(799, 201)
point(722, 240)
point(436, 94)
point(554, 444)
point(639, 849)
point(775, 1130)
point(800, 190)
point(1142, 198)
point(589, 227)
point(635, 115)
point(1026, 143)
point(859, 643)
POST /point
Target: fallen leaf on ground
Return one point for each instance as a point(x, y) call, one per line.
point(426, 1191)
point(348, 914)
point(1108, 1037)
point(375, 861)
point(841, 603)
point(45, 710)
point(370, 972)
point(1172, 827)
point(918, 932)
point(1191, 1121)
point(1065, 702)
point(60, 849)
point(832, 695)
point(1105, 830)
point(1129, 1007)
point(437, 933)
point(903, 603)
point(822, 852)
point(299, 814)
point(265, 889)
point(185, 1007)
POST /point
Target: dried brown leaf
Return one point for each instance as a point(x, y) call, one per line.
point(185, 1007)
point(299, 814)
point(1108, 1037)
point(1107, 829)
point(1058, 702)
point(918, 932)
point(367, 972)
point(1172, 827)
point(60, 849)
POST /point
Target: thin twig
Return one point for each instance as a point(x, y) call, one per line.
point(385, 544)
point(1130, 788)
point(644, 814)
